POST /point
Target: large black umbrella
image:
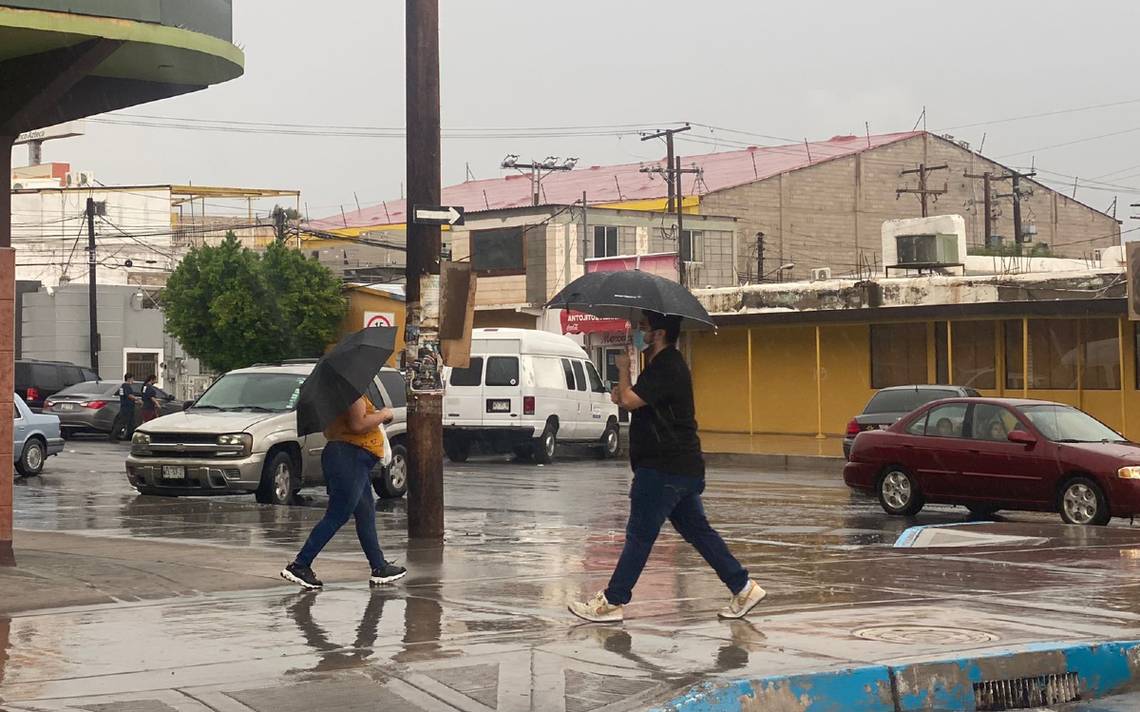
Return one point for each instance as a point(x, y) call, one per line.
point(342, 376)
point(621, 294)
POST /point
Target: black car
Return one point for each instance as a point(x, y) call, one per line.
point(890, 404)
point(36, 381)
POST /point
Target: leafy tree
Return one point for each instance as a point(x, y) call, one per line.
point(230, 307)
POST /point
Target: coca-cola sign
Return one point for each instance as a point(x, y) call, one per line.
point(578, 323)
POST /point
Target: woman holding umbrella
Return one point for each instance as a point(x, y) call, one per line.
point(332, 399)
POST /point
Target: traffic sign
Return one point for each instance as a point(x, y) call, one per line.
point(437, 215)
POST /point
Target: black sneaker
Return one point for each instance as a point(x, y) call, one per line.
point(387, 573)
point(303, 576)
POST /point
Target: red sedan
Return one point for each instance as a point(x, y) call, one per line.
point(998, 453)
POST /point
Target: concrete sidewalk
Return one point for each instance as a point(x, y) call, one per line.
point(151, 605)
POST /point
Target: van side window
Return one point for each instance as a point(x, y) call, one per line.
point(596, 384)
point(579, 376)
point(502, 371)
point(548, 373)
point(470, 376)
point(568, 370)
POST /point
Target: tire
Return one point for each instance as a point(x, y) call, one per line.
point(458, 449)
point(898, 493)
point(67, 433)
point(1082, 502)
point(31, 462)
point(545, 445)
point(611, 442)
point(278, 480)
point(393, 480)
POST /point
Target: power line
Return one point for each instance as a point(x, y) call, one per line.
point(1043, 114)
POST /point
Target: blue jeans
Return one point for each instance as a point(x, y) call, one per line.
point(655, 497)
point(348, 480)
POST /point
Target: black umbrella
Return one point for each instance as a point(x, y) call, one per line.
point(620, 294)
point(342, 376)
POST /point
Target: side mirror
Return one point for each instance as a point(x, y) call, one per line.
point(1022, 438)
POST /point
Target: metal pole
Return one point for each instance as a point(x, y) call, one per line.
point(92, 288)
point(1024, 357)
point(818, 388)
point(425, 407)
point(988, 208)
point(751, 426)
point(949, 352)
point(1123, 402)
point(1016, 209)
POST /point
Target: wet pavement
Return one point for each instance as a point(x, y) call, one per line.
point(123, 602)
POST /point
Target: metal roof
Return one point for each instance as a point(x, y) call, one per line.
point(626, 182)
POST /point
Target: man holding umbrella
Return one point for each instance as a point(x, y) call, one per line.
point(669, 469)
point(333, 400)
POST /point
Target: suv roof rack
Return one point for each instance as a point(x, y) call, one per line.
point(292, 361)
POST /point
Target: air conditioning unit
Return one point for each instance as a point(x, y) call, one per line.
point(927, 250)
point(86, 178)
point(80, 179)
point(821, 274)
point(71, 180)
point(17, 186)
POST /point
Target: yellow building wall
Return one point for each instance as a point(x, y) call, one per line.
point(720, 377)
point(360, 301)
point(846, 373)
point(783, 380)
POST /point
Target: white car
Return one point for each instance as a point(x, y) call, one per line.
point(525, 392)
point(35, 437)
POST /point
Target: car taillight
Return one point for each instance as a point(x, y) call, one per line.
point(33, 394)
point(853, 428)
point(95, 405)
point(528, 405)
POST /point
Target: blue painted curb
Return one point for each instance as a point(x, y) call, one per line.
point(1097, 670)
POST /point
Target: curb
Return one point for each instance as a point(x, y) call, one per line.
point(777, 462)
point(1040, 674)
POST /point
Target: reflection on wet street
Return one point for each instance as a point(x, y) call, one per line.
point(175, 604)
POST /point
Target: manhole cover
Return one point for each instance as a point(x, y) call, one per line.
point(928, 634)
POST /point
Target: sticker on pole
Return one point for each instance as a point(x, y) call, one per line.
point(437, 215)
point(379, 319)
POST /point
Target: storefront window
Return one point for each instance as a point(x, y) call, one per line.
point(941, 362)
point(1053, 347)
point(1101, 362)
point(898, 355)
point(1014, 365)
point(975, 354)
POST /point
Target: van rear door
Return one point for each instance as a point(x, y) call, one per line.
point(502, 403)
point(463, 398)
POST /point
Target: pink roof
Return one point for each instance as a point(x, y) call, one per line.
point(613, 184)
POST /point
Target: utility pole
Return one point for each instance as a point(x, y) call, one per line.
point(988, 203)
point(759, 257)
point(673, 173)
point(92, 291)
point(538, 171)
point(1015, 177)
point(667, 134)
point(922, 191)
point(425, 395)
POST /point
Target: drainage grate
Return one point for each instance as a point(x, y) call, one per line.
point(1026, 692)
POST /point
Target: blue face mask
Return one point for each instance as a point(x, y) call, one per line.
point(639, 340)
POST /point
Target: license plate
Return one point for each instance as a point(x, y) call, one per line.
point(67, 406)
point(173, 472)
point(499, 405)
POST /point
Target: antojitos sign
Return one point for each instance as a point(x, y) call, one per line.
point(578, 323)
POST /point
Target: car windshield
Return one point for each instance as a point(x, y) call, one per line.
point(257, 392)
point(1068, 425)
point(89, 388)
point(904, 400)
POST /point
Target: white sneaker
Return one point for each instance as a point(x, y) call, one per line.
point(597, 609)
point(744, 601)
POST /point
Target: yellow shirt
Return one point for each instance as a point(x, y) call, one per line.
point(372, 441)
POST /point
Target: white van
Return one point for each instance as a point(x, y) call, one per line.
point(525, 392)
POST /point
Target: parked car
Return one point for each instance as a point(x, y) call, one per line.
point(889, 404)
point(35, 437)
point(994, 453)
point(36, 381)
point(93, 407)
point(524, 392)
point(241, 436)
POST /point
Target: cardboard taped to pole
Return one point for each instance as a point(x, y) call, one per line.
point(457, 352)
point(455, 278)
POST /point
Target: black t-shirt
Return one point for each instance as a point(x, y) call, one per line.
point(150, 398)
point(125, 393)
point(663, 434)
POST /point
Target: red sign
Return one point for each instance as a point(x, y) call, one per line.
point(578, 323)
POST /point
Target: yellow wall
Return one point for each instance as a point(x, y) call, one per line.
point(362, 300)
point(784, 396)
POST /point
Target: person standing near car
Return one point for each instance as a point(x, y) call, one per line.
point(668, 479)
point(128, 399)
point(149, 399)
point(355, 445)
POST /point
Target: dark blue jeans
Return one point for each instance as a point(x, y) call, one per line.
point(348, 480)
point(654, 497)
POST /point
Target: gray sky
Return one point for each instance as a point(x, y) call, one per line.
point(787, 69)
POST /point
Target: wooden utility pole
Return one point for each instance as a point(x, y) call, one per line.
point(421, 330)
point(667, 134)
point(987, 200)
point(1015, 194)
point(922, 191)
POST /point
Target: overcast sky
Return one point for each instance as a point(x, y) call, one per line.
point(788, 69)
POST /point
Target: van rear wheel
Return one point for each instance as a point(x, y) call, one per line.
point(458, 449)
point(545, 446)
point(610, 443)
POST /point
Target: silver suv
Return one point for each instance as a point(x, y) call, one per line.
point(241, 436)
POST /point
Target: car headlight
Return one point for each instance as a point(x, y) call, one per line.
point(1132, 472)
point(141, 439)
point(242, 440)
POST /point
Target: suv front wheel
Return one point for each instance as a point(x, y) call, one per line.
point(393, 480)
point(277, 480)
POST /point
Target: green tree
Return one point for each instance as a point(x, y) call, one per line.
point(230, 307)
